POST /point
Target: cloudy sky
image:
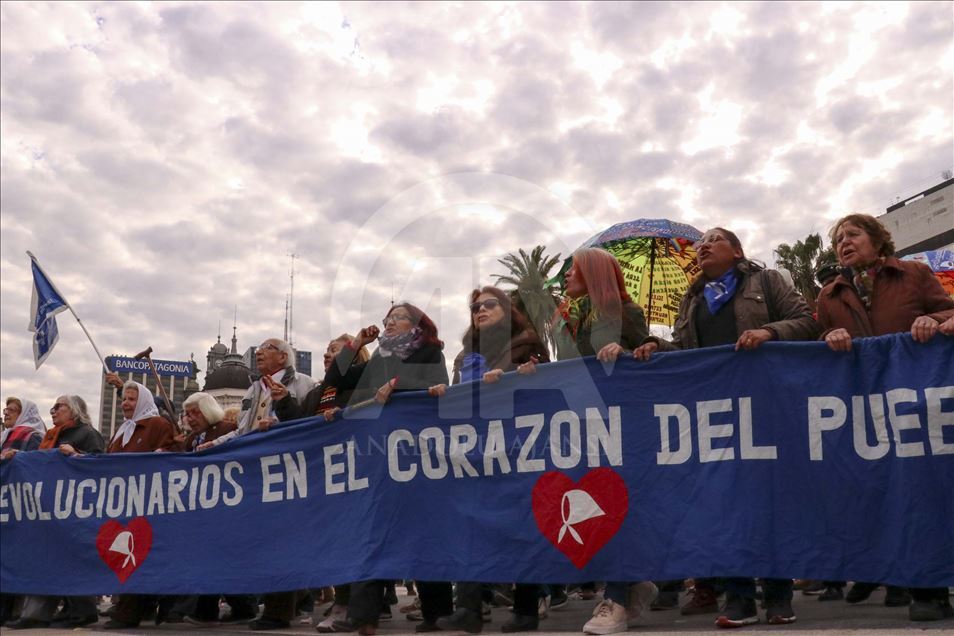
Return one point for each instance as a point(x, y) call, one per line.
point(163, 161)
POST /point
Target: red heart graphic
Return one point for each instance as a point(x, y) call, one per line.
point(123, 548)
point(580, 518)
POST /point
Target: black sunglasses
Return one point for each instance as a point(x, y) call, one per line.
point(489, 304)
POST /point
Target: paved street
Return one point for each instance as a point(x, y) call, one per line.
point(832, 619)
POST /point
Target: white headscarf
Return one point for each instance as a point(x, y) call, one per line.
point(145, 407)
point(29, 416)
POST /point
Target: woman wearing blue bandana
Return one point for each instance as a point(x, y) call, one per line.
point(737, 302)
point(498, 340)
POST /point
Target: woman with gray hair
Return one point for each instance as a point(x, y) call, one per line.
point(73, 434)
point(205, 418)
point(72, 430)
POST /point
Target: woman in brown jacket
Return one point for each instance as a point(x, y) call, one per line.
point(143, 431)
point(877, 294)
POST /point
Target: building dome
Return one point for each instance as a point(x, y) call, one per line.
point(219, 348)
point(233, 374)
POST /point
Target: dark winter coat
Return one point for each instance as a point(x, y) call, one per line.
point(422, 369)
point(763, 300)
point(518, 350)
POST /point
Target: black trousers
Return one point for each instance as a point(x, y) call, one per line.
point(525, 599)
point(366, 603)
point(437, 599)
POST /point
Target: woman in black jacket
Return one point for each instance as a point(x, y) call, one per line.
point(325, 396)
point(409, 357)
point(498, 340)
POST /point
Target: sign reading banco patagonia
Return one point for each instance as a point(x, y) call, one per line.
point(176, 368)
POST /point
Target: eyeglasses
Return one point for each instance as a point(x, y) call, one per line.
point(267, 345)
point(56, 407)
point(394, 318)
point(715, 238)
point(489, 304)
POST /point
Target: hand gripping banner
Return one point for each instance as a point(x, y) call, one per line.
point(788, 461)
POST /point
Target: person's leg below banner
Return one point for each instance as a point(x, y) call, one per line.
point(437, 601)
point(778, 601)
point(278, 613)
point(704, 598)
point(37, 612)
point(364, 610)
point(525, 609)
point(468, 615)
point(930, 604)
point(128, 612)
point(242, 608)
point(740, 608)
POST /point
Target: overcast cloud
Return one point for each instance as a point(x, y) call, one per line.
point(164, 160)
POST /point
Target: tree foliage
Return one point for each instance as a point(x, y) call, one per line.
point(802, 259)
point(529, 275)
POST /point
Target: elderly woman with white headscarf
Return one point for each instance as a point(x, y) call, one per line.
point(23, 430)
point(143, 430)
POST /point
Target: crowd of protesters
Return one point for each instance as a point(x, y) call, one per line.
point(734, 301)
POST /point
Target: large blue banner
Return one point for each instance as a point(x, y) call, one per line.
point(789, 461)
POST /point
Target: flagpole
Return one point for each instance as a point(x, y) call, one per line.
point(70, 307)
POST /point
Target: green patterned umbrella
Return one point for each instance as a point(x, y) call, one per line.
point(658, 262)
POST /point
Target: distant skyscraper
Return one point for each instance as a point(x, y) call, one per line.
point(249, 359)
point(303, 361)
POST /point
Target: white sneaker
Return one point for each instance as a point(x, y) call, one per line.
point(641, 596)
point(543, 607)
point(337, 613)
point(608, 618)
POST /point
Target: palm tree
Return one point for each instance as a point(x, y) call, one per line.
point(533, 294)
point(802, 259)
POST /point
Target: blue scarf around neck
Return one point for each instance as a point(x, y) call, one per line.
point(720, 291)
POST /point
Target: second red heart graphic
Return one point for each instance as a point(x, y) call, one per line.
point(124, 548)
point(579, 518)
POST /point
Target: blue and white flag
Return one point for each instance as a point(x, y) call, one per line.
point(44, 305)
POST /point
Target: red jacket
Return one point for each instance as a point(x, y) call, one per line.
point(903, 291)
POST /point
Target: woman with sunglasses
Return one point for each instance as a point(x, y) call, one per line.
point(498, 340)
point(409, 357)
point(736, 301)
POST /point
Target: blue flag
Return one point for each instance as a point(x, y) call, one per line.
point(44, 305)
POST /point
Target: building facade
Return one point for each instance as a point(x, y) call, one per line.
point(923, 222)
point(303, 361)
point(178, 379)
